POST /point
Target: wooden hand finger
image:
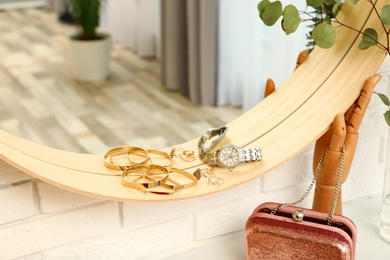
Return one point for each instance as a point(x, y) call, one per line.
point(329, 169)
point(301, 58)
point(355, 118)
point(269, 87)
point(333, 139)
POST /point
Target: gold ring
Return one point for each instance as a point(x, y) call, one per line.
point(185, 155)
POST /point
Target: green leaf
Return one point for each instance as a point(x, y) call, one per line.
point(261, 5)
point(384, 98)
point(86, 14)
point(291, 19)
point(387, 117)
point(330, 2)
point(336, 8)
point(272, 13)
point(324, 35)
point(370, 38)
point(315, 3)
point(385, 15)
point(354, 1)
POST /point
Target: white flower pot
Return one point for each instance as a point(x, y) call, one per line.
point(89, 60)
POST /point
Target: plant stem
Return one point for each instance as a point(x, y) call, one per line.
point(380, 45)
point(383, 26)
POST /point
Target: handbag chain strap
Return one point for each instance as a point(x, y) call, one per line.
point(336, 192)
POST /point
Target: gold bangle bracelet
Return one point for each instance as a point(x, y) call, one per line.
point(125, 151)
point(162, 154)
point(177, 186)
point(137, 151)
point(144, 176)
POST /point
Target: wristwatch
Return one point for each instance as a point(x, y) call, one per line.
point(230, 156)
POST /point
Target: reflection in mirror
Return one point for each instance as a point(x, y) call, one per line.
point(41, 102)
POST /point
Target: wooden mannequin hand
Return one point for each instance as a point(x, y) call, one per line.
point(342, 132)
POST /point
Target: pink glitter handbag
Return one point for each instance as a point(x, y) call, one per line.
point(288, 235)
point(284, 231)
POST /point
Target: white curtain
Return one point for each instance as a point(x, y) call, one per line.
point(250, 52)
point(134, 24)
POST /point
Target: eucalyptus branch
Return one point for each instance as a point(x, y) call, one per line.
point(380, 45)
point(377, 14)
point(387, 32)
point(323, 33)
point(308, 14)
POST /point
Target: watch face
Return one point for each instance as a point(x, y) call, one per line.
point(229, 156)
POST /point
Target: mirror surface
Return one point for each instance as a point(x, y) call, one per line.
point(40, 100)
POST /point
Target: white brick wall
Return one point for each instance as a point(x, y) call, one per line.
point(52, 199)
point(39, 221)
point(17, 202)
point(44, 232)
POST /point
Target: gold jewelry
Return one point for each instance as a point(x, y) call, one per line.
point(143, 176)
point(208, 135)
point(162, 154)
point(156, 179)
point(176, 185)
point(207, 173)
point(146, 173)
point(137, 155)
point(185, 155)
point(121, 157)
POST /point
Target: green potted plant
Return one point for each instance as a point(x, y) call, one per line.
point(89, 49)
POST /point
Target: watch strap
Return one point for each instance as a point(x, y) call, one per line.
point(251, 154)
point(212, 159)
point(210, 133)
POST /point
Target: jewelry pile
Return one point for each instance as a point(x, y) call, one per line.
point(151, 171)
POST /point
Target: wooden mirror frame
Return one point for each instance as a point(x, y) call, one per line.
point(282, 125)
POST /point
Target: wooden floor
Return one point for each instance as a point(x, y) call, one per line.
point(41, 102)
